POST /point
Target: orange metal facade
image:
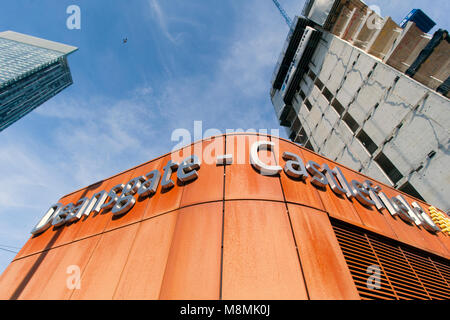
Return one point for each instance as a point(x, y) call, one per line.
point(230, 234)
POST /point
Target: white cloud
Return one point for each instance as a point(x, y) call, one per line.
point(107, 136)
point(162, 21)
point(99, 137)
point(95, 137)
point(235, 91)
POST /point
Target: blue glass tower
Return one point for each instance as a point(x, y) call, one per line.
point(32, 70)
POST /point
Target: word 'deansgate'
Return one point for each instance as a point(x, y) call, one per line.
point(121, 198)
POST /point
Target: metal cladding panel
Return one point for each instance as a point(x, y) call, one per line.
point(163, 201)
point(295, 191)
point(370, 217)
point(47, 239)
point(49, 275)
point(242, 181)
point(103, 270)
point(316, 241)
point(336, 206)
point(249, 272)
point(232, 233)
point(98, 222)
point(413, 235)
point(73, 233)
point(143, 273)
point(41, 273)
point(193, 265)
point(74, 254)
point(209, 184)
point(16, 276)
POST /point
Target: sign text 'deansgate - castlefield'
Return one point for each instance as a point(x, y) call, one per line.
point(122, 197)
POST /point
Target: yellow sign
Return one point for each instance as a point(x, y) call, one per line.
point(440, 220)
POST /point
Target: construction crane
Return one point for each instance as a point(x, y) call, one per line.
point(283, 13)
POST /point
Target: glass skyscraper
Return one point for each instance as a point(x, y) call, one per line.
point(32, 70)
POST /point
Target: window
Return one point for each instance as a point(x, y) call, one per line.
point(302, 95)
point(309, 146)
point(292, 136)
point(296, 126)
point(367, 142)
point(291, 115)
point(328, 95)
point(319, 84)
point(352, 124)
point(338, 107)
point(308, 104)
point(301, 137)
point(409, 189)
point(388, 167)
point(311, 75)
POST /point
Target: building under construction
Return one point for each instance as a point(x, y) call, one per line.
point(369, 94)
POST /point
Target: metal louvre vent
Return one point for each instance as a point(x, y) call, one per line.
point(399, 272)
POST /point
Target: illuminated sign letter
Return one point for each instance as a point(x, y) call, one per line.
point(344, 183)
point(60, 218)
point(257, 163)
point(113, 197)
point(78, 210)
point(96, 202)
point(428, 223)
point(412, 214)
point(46, 220)
point(373, 194)
point(123, 205)
point(294, 166)
point(402, 211)
point(126, 201)
point(395, 207)
point(361, 193)
point(318, 178)
point(187, 171)
point(331, 177)
point(167, 182)
point(149, 187)
point(133, 185)
point(122, 198)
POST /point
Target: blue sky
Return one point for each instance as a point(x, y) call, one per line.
point(184, 61)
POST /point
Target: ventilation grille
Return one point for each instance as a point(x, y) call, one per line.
point(384, 269)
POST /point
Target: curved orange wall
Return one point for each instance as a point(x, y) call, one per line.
point(276, 235)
